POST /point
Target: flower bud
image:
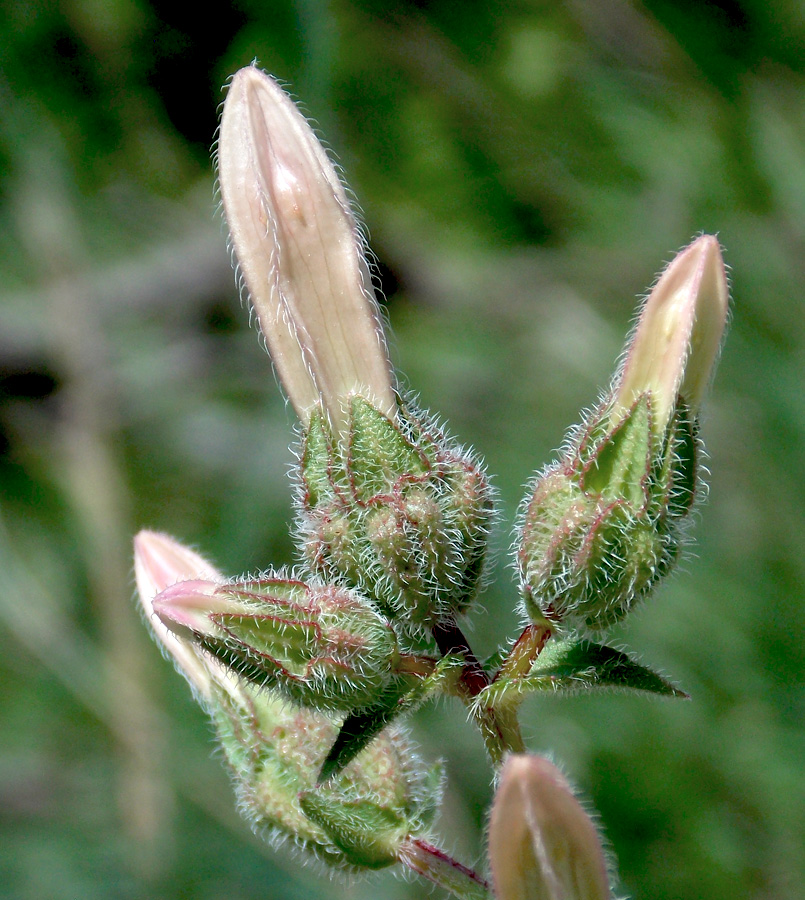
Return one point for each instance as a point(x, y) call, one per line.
point(675, 345)
point(359, 819)
point(159, 562)
point(606, 522)
point(319, 645)
point(396, 511)
point(542, 844)
point(300, 253)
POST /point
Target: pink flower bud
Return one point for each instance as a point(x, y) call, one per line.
point(542, 844)
point(186, 606)
point(159, 563)
point(300, 253)
point(677, 339)
point(321, 645)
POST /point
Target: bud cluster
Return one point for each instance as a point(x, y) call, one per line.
point(396, 511)
point(306, 677)
point(275, 750)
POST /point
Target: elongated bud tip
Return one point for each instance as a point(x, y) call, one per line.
point(678, 336)
point(159, 563)
point(542, 844)
point(300, 253)
point(185, 607)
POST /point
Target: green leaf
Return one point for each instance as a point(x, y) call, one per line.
point(579, 666)
point(362, 726)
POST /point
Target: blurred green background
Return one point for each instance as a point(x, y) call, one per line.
point(524, 168)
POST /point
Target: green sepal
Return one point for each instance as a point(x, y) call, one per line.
point(260, 670)
point(619, 468)
point(369, 828)
point(315, 461)
point(572, 666)
point(320, 646)
point(284, 643)
point(378, 452)
point(367, 834)
point(681, 461)
point(403, 695)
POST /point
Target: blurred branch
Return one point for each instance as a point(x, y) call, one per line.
point(182, 273)
point(95, 489)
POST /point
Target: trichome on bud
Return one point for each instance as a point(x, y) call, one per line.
point(395, 510)
point(319, 645)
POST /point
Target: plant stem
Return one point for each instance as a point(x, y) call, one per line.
point(435, 865)
point(525, 650)
point(499, 723)
point(451, 641)
point(500, 729)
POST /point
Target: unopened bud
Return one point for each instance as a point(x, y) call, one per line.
point(300, 253)
point(675, 345)
point(359, 819)
point(542, 843)
point(159, 562)
point(319, 645)
point(605, 523)
point(395, 511)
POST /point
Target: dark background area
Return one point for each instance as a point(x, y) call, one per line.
point(524, 169)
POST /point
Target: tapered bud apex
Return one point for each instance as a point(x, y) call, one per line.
point(542, 844)
point(397, 511)
point(320, 646)
point(300, 252)
point(674, 348)
point(605, 523)
point(159, 562)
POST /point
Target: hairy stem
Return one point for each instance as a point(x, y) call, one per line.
point(499, 729)
point(525, 650)
point(435, 865)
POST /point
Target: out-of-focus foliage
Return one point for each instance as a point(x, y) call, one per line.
point(525, 168)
